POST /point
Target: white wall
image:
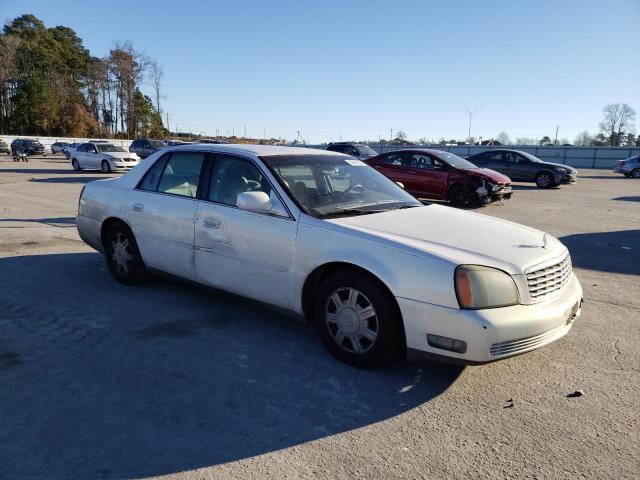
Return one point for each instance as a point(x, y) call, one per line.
point(47, 141)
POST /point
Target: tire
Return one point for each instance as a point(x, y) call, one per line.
point(75, 165)
point(105, 167)
point(545, 180)
point(635, 173)
point(464, 197)
point(358, 319)
point(123, 256)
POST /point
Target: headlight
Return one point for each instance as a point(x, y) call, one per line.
point(562, 170)
point(484, 287)
point(495, 188)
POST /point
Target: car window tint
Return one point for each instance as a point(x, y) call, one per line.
point(397, 159)
point(152, 177)
point(494, 156)
point(511, 157)
point(231, 176)
point(336, 148)
point(426, 162)
point(181, 174)
point(82, 148)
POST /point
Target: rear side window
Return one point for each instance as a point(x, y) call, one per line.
point(182, 174)
point(397, 159)
point(336, 148)
point(152, 177)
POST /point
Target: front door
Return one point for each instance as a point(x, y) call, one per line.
point(243, 252)
point(161, 212)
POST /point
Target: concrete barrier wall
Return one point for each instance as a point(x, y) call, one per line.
point(579, 157)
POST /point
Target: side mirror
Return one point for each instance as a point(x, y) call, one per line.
point(260, 202)
point(400, 184)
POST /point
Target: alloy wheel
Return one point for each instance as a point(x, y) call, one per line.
point(544, 180)
point(351, 320)
point(122, 255)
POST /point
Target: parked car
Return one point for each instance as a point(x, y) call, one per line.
point(102, 156)
point(438, 175)
point(144, 147)
point(356, 150)
point(175, 143)
point(524, 167)
point(4, 148)
point(69, 149)
point(326, 236)
point(28, 146)
point(58, 147)
point(630, 167)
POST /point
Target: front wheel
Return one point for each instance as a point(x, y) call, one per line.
point(358, 319)
point(75, 165)
point(635, 173)
point(545, 180)
point(464, 197)
point(123, 256)
point(105, 167)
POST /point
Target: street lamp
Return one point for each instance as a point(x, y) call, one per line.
point(470, 112)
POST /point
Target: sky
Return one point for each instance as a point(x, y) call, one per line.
point(354, 70)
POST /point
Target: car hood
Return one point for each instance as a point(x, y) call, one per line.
point(121, 155)
point(459, 236)
point(488, 174)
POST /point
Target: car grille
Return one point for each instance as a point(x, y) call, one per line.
point(550, 279)
point(512, 347)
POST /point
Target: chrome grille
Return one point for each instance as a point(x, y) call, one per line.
point(512, 347)
point(549, 279)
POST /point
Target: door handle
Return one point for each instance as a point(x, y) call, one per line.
point(211, 223)
point(412, 172)
point(138, 207)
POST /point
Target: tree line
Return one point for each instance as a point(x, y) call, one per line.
point(50, 84)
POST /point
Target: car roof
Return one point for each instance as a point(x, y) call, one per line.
point(257, 150)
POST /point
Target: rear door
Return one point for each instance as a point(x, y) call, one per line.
point(395, 165)
point(80, 155)
point(161, 212)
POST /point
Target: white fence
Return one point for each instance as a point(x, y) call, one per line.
point(48, 141)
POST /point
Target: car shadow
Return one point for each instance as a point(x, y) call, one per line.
point(616, 252)
point(515, 186)
point(26, 169)
point(628, 199)
point(73, 179)
point(54, 221)
point(99, 380)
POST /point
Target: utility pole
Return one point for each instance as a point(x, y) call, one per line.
point(555, 142)
point(470, 112)
point(244, 135)
point(391, 134)
point(264, 134)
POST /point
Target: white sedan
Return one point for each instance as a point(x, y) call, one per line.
point(102, 156)
point(325, 236)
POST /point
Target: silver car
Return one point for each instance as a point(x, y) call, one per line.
point(630, 167)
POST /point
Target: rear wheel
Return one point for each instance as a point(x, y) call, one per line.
point(635, 173)
point(464, 197)
point(358, 319)
point(123, 257)
point(75, 165)
point(105, 167)
point(545, 180)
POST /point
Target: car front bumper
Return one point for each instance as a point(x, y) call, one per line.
point(490, 334)
point(566, 178)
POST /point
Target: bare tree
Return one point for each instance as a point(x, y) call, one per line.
point(503, 138)
point(583, 139)
point(526, 141)
point(618, 119)
point(156, 72)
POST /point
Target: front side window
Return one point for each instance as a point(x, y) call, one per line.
point(396, 159)
point(232, 176)
point(326, 185)
point(182, 174)
point(366, 150)
point(336, 148)
point(108, 147)
point(511, 157)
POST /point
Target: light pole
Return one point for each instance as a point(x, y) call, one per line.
point(470, 112)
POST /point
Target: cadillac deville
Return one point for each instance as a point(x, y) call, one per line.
point(328, 237)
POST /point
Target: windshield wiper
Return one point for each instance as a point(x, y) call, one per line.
point(349, 211)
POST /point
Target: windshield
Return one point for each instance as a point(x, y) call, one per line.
point(327, 186)
point(107, 147)
point(156, 144)
point(529, 156)
point(366, 150)
point(456, 161)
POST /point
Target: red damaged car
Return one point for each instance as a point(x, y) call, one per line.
point(438, 175)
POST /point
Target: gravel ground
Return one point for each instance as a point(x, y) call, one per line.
point(169, 380)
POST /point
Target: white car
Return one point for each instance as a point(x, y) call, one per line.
point(325, 236)
point(102, 156)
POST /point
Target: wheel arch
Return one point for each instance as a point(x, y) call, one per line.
point(106, 224)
